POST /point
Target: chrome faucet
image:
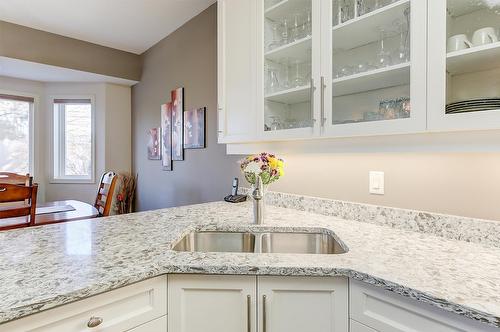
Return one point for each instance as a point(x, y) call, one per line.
point(258, 203)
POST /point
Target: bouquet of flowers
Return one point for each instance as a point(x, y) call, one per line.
point(265, 165)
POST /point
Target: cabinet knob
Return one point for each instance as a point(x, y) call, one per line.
point(94, 322)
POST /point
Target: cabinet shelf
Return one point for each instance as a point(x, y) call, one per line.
point(474, 59)
point(364, 29)
point(284, 8)
point(373, 79)
point(291, 96)
point(298, 50)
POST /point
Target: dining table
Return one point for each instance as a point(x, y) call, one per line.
point(56, 212)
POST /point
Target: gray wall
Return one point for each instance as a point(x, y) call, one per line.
point(188, 58)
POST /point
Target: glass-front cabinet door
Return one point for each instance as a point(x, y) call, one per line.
point(464, 64)
point(373, 67)
point(290, 68)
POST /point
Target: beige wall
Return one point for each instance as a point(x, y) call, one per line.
point(118, 128)
point(20, 42)
point(187, 58)
point(466, 184)
point(112, 128)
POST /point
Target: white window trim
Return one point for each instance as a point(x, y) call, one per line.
point(32, 163)
point(53, 152)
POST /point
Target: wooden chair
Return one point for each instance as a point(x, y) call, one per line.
point(105, 193)
point(13, 178)
point(25, 197)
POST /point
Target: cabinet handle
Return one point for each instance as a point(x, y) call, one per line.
point(323, 87)
point(264, 319)
point(94, 322)
point(311, 95)
point(249, 325)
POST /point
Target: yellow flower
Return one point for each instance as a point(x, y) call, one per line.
point(273, 163)
point(280, 163)
point(281, 172)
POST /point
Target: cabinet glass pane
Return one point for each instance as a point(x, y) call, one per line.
point(473, 56)
point(287, 69)
point(371, 60)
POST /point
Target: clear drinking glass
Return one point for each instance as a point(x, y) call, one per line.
point(272, 80)
point(276, 123)
point(346, 11)
point(285, 74)
point(285, 31)
point(298, 79)
point(275, 38)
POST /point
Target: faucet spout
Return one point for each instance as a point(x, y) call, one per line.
point(258, 203)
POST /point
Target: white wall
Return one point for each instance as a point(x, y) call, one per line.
point(112, 127)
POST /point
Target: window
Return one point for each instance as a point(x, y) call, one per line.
point(16, 151)
point(73, 140)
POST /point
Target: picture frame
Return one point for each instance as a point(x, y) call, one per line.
point(166, 136)
point(194, 128)
point(177, 101)
point(154, 144)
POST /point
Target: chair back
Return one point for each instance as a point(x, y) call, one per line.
point(105, 193)
point(13, 178)
point(25, 197)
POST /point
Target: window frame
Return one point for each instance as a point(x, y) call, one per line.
point(32, 164)
point(58, 143)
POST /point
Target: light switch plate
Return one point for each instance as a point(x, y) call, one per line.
point(377, 185)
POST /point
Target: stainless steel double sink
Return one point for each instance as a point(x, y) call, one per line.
point(265, 242)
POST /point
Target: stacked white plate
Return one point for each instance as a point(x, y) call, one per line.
point(473, 105)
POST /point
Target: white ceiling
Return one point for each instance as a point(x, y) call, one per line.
point(45, 73)
point(129, 25)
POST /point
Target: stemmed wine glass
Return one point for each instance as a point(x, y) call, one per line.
point(402, 52)
point(384, 58)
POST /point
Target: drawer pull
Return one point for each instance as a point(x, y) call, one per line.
point(94, 322)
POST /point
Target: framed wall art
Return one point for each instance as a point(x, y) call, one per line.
point(154, 148)
point(177, 96)
point(194, 128)
point(166, 136)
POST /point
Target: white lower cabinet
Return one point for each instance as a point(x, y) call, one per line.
point(157, 325)
point(285, 304)
point(211, 303)
point(297, 304)
point(379, 310)
point(124, 309)
point(222, 303)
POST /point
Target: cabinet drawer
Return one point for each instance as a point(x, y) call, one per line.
point(157, 325)
point(385, 311)
point(358, 327)
point(120, 310)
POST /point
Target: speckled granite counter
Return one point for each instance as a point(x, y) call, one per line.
point(47, 266)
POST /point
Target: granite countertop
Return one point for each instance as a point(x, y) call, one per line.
point(43, 267)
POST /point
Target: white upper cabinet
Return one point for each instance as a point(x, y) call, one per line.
point(236, 66)
point(373, 67)
point(301, 69)
point(464, 65)
point(289, 68)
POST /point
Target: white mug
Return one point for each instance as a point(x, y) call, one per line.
point(484, 36)
point(458, 42)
